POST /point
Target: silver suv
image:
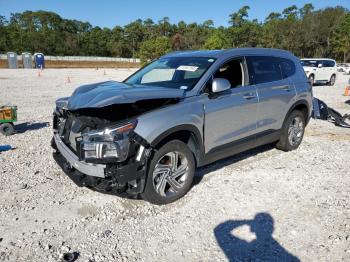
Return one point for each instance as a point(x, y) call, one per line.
point(147, 135)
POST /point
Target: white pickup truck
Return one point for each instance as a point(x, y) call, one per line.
point(320, 70)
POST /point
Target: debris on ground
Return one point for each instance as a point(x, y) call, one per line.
point(324, 112)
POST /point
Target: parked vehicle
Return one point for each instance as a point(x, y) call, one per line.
point(147, 135)
point(340, 67)
point(346, 69)
point(320, 70)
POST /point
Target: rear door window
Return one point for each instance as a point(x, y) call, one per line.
point(263, 69)
point(287, 67)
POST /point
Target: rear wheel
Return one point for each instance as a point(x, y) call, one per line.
point(292, 131)
point(332, 80)
point(7, 129)
point(170, 173)
point(312, 80)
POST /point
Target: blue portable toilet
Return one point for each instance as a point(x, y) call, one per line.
point(39, 60)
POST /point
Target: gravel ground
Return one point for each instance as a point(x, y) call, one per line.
point(302, 196)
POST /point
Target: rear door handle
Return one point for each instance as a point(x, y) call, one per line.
point(287, 88)
point(248, 96)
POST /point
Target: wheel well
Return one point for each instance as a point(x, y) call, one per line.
point(304, 109)
point(185, 136)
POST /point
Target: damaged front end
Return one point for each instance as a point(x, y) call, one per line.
point(98, 146)
point(111, 158)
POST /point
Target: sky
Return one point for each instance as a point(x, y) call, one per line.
point(109, 13)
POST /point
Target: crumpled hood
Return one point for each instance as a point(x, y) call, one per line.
point(111, 92)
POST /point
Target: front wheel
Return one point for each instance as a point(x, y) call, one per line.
point(170, 173)
point(292, 131)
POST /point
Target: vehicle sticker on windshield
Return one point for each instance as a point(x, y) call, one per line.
point(183, 87)
point(187, 68)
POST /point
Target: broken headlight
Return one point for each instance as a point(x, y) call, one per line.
point(108, 145)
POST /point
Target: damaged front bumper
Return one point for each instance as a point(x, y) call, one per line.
point(128, 176)
point(83, 167)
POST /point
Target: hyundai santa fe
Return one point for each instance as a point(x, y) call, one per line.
point(146, 136)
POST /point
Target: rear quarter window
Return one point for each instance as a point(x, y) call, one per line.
point(263, 69)
point(287, 67)
point(328, 63)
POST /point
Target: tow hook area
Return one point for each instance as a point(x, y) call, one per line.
point(140, 165)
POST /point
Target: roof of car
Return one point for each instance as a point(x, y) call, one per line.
point(224, 52)
point(317, 59)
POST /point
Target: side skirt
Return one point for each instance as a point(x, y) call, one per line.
point(241, 145)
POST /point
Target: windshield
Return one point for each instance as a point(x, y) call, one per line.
point(172, 72)
point(311, 63)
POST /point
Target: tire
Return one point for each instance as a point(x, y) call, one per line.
point(289, 141)
point(162, 185)
point(312, 80)
point(7, 129)
point(332, 80)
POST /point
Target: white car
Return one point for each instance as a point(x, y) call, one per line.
point(320, 70)
point(345, 68)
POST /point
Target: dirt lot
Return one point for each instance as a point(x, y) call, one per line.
point(78, 64)
point(303, 196)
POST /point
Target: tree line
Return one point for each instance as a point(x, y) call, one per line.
point(304, 31)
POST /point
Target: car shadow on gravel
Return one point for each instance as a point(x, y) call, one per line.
point(263, 248)
point(202, 171)
point(30, 126)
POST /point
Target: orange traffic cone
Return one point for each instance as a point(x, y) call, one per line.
point(68, 80)
point(347, 91)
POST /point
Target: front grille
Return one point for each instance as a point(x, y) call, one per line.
point(69, 129)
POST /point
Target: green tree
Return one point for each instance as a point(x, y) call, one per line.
point(341, 38)
point(154, 48)
point(238, 18)
point(217, 40)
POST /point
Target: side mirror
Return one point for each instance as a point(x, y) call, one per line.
point(220, 85)
point(320, 65)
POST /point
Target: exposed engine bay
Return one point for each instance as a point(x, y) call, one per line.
point(102, 134)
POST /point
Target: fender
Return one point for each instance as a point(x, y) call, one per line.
point(183, 127)
point(298, 103)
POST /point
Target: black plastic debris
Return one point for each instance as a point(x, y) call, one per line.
point(324, 112)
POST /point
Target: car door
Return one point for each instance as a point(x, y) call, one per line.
point(274, 89)
point(322, 72)
point(331, 68)
point(230, 116)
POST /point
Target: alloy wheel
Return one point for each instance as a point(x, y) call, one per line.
point(170, 174)
point(295, 131)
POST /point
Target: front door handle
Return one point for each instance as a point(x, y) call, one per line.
point(248, 96)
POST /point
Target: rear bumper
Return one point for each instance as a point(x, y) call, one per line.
point(83, 167)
